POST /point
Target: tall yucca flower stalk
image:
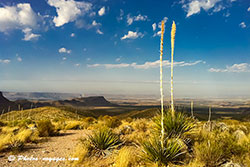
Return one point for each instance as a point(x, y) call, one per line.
point(161, 87)
point(172, 66)
point(192, 108)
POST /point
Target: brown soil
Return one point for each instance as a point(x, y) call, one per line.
point(56, 147)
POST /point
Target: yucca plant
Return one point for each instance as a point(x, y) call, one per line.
point(161, 82)
point(162, 155)
point(174, 125)
point(103, 140)
point(172, 66)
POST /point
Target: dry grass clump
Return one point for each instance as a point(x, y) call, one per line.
point(135, 131)
point(128, 156)
point(4, 141)
point(109, 121)
point(46, 128)
point(216, 148)
point(73, 125)
point(2, 123)
point(15, 140)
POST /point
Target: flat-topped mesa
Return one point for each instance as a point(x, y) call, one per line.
point(87, 101)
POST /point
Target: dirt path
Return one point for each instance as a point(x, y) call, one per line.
point(56, 147)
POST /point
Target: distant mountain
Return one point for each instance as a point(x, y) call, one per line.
point(6, 105)
point(42, 99)
point(40, 96)
point(85, 101)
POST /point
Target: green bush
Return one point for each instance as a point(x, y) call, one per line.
point(175, 126)
point(45, 128)
point(170, 152)
point(103, 140)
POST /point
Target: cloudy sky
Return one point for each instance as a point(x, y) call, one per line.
point(112, 46)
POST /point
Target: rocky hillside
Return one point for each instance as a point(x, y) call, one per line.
point(5, 104)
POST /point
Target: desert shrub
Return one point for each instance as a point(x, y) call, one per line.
point(15, 144)
point(45, 128)
point(170, 152)
point(109, 121)
point(24, 135)
point(140, 124)
point(73, 125)
point(59, 125)
point(81, 152)
point(25, 122)
point(9, 130)
point(4, 140)
point(217, 148)
point(101, 142)
point(2, 123)
point(89, 120)
point(135, 131)
point(127, 157)
point(175, 126)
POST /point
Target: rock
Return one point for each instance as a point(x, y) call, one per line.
point(45, 152)
point(209, 126)
point(215, 126)
point(222, 126)
point(239, 134)
point(127, 129)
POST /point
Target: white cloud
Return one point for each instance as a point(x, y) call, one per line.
point(226, 14)
point(242, 25)
point(132, 35)
point(29, 36)
point(101, 12)
point(121, 15)
point(140, 18)
point(243, 67)
point(165, 19)
point(248, 9)
point(92, 14)
point(118, 59)
point(64, 58)
point(147, 65)
point(131, 19)
point(64, 50)
point(77, 65)
point(157, 34)
point(72, 34)
point(154, 26)
point(68, 10)
point(195, 6)
point(5, 61)
point(94, 23)
point(20, 16)
point(19, 59)
point(98, 31)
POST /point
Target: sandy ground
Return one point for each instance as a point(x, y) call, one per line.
point(46, 153)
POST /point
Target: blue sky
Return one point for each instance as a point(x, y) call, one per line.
point(112, 46)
